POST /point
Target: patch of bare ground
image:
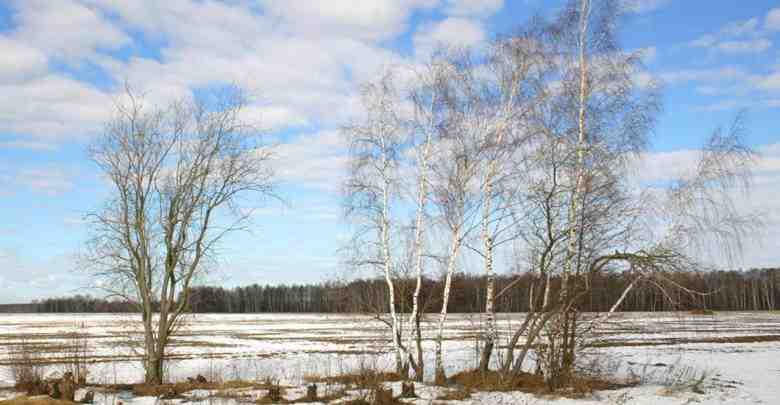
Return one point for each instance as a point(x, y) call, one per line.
point(467, 382)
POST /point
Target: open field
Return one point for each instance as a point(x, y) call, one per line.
point(738, 352)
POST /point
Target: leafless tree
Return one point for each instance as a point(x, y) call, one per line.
point(513, 87)
point(535, 140)
point(585, 214)
point(425, 95)
point(454, 177)
point(178, 177)
point(373, 190)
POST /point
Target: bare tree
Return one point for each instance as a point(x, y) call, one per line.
point(427, 100)
point(513, 88)
point(585, 214)
point(372, 189)
point(178, 176)
point(454, 177)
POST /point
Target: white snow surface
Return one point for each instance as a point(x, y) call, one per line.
point(739, 353)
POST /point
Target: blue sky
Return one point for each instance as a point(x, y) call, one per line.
point(64, 62)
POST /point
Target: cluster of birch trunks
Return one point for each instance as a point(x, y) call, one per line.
point(522, 155)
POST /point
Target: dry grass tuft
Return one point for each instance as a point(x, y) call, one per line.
point(35, 400)
point(364, 378)
point(151, 390)
point(475, 380)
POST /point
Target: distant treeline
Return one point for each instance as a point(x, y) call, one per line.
point(751, 290)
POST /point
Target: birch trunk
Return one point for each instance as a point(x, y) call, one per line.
point(490, 318)
point(401, 359)
point(566, 322)
point(414, 319)
point(455, 248)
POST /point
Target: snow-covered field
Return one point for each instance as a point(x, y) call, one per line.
point(739, 352)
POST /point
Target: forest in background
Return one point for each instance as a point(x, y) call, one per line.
point(749, 290)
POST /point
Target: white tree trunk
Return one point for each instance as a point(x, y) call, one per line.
point(490, 311)
point(418, 245)
point(454, 249)
point(401, 357)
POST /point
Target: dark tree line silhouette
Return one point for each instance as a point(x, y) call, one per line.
point(751, 290)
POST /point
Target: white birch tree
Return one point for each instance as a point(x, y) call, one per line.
point(373, 189)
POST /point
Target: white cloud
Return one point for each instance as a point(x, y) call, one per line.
point(720, 75)
point(731, 37)
point(762, 199)
point(772, 20)
point(30, 145)
point(770, 82)
point(317, 161)
point(737, 28)
point(272, 118)
point(45, 180)
point(473, 8)
point(643, 6)
point(665, 166)
point(296, 67)
point(451, 32)
point(53, 108)
point(649, 54)
point(301, 60)
point(20, 61)
point(65, 28)
point(644, 79)
point(373, 20)
point(711, 43)
point(27, 278)
point(752, 46)
point(704, 41)
point(725, 105)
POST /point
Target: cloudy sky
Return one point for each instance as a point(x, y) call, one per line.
point(64, 61)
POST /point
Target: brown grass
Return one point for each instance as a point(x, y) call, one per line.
point(361, 379)
point(36, 400)
point(150, 390)
point(475, 380)
point(458, 394)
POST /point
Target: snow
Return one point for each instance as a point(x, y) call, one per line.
point(289, 347)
